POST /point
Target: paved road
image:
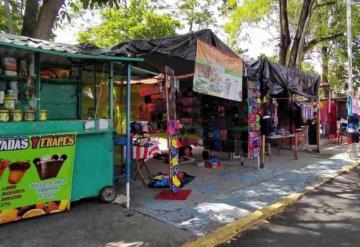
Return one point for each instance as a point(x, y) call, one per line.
point(330, 216)
point(91, 224)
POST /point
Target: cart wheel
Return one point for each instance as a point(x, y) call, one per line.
point(108, 194)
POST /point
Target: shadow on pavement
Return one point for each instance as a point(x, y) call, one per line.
point(330, 216)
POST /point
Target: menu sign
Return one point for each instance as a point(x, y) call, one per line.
point(217, 73)
point(35, 175)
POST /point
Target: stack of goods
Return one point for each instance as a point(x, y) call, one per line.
point(253, 118)
point(188, 110)
point(10, 69)
point(153, 109)
point(10, 101)
point(223, 124)
point(55, 74)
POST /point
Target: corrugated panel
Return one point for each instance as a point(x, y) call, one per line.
point(42, 44)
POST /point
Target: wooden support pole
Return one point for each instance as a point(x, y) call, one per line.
point(318, 125)
point(262, 157)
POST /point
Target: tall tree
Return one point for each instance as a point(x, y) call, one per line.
point(9, 17)
point(38, 17)
point(138, 20)
point(284, 32)
point(300, 31)
point(197, 14)
point(301, 27)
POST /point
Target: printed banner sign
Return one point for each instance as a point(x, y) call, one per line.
point(35, 175)
point(217, 73)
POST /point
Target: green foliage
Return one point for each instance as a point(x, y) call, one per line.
point(250, 12)
point(196, 13)
point(15, 11)
point(308, 67)
point(137, 21)
point(327, 27)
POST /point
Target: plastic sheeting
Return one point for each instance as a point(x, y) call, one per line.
point(280, 80)
point(178, 52)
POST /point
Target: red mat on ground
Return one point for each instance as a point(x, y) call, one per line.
point(168, 195)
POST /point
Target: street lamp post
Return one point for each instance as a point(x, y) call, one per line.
point(349, 45)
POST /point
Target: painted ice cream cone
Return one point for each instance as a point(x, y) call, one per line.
point(49, 167)
point(17, 171)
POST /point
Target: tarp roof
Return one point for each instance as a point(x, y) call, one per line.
point(280, 80)
point(177, 52)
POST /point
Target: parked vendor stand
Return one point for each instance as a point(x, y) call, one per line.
point(56, 133)
point(279, 88)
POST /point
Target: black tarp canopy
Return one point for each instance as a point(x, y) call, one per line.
point(280, 80)
point(177, 52)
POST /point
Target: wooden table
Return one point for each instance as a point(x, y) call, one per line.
point(140, 156)
point(266, 141)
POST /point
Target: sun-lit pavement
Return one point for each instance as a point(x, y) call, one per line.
point(330, 216)
point(220, 196)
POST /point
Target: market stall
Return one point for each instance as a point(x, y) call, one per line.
point(288, 105)
point(57, 125)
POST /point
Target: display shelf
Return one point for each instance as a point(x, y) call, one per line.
point(49, 126)
point(12, 78)
point(50, 80)
point(60, 80)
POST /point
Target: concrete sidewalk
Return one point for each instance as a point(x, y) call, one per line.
point(219, 196)
point(223, 195)
point(91, 224)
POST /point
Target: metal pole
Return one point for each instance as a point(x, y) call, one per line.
point(37, 85)
point(128, 137)
point(349, 45)
point(111, 89)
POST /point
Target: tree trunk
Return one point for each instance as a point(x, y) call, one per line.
point(284, 32)
point(29, 18)
point(304, 15)
point(325, 64)
point(8, 16)
point(47, 17)
point(191, 23)
point(301, 54)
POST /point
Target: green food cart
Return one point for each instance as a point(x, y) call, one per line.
point(57, 128)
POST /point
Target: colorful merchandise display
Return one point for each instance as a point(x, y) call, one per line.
point(253, 88)
point(173, 127)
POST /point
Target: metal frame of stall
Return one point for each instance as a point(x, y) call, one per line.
point(32, 46)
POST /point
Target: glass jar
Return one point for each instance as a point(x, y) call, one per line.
point(4, 115)
point(9, 103)
point(42, 115)
point(29, 115)
point(16, 115)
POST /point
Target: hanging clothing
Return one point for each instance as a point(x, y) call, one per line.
point(296, 115)
point(312, 134)
point(265, 120)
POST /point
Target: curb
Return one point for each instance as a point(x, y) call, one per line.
point(229, 231)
